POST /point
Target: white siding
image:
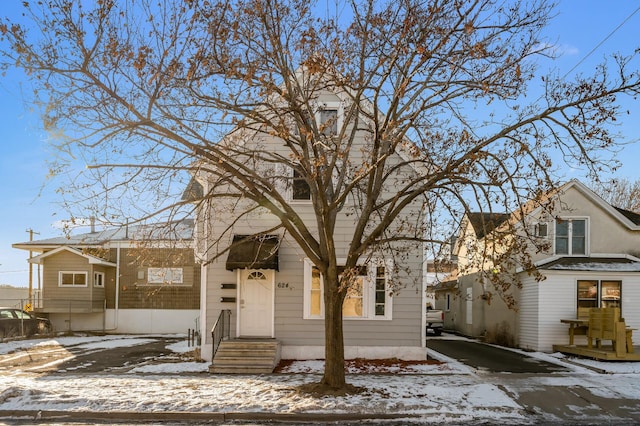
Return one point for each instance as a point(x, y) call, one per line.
point(557, 301)
point(405, 329)
point(529, 313)
point(545, 303)
point(631, 302)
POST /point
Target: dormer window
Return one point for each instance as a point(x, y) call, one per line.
point(571, 237)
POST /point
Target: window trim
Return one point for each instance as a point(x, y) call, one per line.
point(538, 230)
point(294, 179)
point(321, 121)
point(98, 283)
point(599, 297)
point(74, 273)
point(331, 106)
point(308, 271)
point(368, 294)
point(570, 251)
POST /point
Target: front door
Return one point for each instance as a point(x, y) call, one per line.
point(256, 303)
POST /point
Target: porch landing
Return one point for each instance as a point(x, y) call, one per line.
point(600, 354)
point(246, 356)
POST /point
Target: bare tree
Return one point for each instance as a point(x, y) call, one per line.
point(622, 193)
point(142, 91)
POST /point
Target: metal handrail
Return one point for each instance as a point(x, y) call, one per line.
point(220, 330)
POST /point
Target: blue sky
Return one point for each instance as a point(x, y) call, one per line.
point(29, 201)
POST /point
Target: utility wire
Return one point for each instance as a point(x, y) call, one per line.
point(601, 43)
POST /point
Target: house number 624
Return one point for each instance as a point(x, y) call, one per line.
point(283, 285)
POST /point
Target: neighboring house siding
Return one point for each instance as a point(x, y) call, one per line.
point(56, 297)
point(489, 314)
point(630, 302)
point(606, 234)
point(529, 313)
point(547, 302)
point(137, 293)
point(557, 301)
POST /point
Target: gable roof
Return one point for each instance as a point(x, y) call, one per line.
point(484, 223)
point(94, 260)
point(632, 216)
point(629, 219)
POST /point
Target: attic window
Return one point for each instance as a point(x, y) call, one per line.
point(541, 230)
point(329, 122)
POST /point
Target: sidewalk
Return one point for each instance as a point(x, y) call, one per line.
point(172, 417)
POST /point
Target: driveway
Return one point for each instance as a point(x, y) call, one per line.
point(490, 358)
point(89, 358)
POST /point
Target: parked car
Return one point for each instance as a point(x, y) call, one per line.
point(435, 321)
point(16, 322)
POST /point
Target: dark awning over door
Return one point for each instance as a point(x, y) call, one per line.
point(259, 252)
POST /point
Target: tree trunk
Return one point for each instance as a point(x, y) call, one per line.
point(334, 376)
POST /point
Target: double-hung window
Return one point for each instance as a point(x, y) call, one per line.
point(368, 295)
point(571, 237)
point(300, 187)
point(354, 303)
point(98, 279)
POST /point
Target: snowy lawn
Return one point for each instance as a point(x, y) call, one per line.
point(446, 391)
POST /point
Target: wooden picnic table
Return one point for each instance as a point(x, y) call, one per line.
point(576, 323)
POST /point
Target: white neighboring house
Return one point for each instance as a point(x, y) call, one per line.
point(593, 261)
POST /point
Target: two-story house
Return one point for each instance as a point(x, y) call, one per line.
point(591, 260)
point(272, 290)
point(129, 279)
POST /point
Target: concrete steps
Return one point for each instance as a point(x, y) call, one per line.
point(246, 356)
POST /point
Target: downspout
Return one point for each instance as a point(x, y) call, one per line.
point(117, 301)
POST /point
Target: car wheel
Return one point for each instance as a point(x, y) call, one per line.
point(437, 332)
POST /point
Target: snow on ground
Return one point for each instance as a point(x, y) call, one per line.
point(448, 392)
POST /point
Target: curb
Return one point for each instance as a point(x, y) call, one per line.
point(45, 416)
